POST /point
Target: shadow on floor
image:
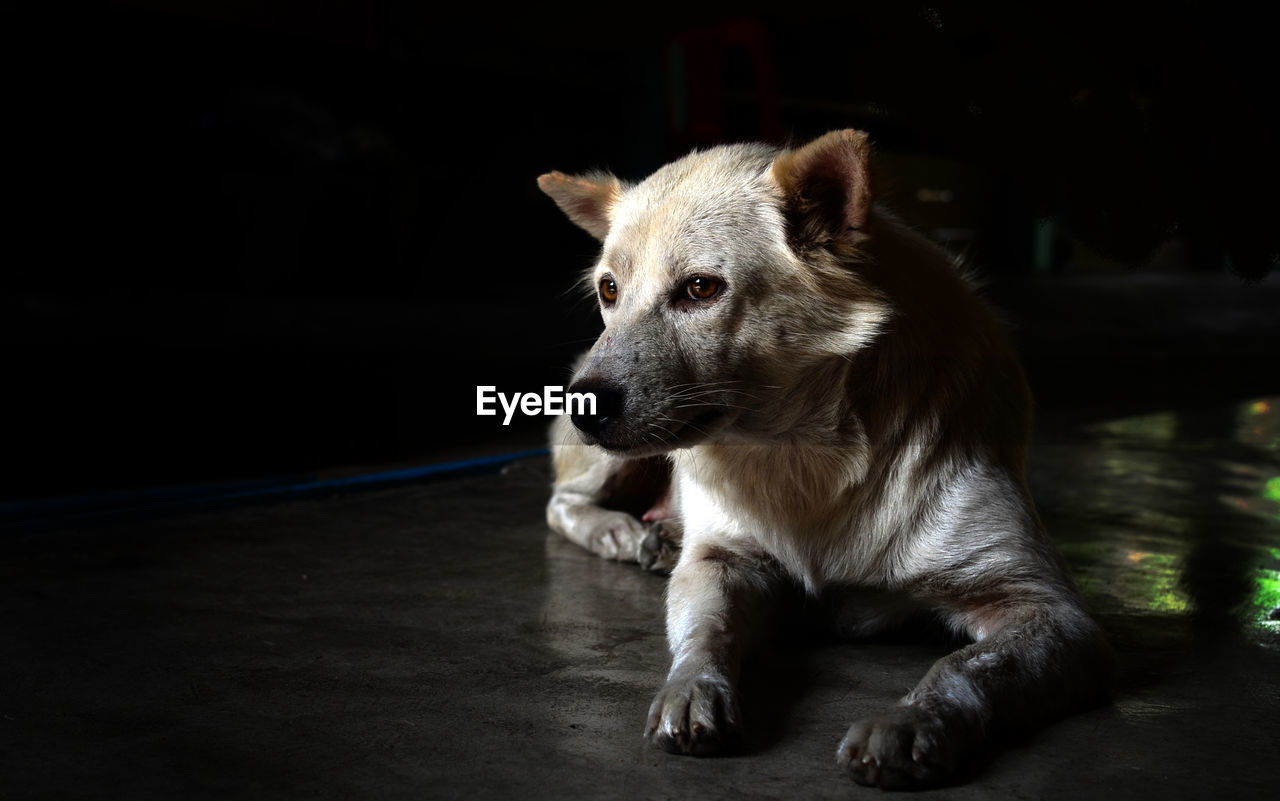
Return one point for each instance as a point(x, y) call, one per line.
point(437, 641)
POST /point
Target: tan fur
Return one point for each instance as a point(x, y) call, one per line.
point(843, 415)
point(588, 201)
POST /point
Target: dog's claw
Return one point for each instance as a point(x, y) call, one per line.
point(905, 748)
point(695, 715)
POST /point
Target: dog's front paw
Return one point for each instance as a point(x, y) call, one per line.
point(905, 748)
point(695, 715)
point(617, 536)
point(660, 549)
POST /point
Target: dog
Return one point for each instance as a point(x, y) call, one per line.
point(795, 389)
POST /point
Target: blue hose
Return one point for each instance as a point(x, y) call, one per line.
point(29, 516)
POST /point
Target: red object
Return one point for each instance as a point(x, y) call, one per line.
point(696, 115)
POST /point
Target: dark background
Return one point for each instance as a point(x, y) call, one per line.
point(253, 239)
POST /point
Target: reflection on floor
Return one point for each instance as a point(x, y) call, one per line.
point(1178, 516)
point(437, 642)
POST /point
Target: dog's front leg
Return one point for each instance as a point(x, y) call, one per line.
point(588, 478)
point(719, 604)
point(1031, 661)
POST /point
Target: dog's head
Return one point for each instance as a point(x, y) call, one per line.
point(722, 280)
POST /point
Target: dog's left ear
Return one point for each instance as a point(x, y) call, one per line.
point(587, 200)
point(827, 186)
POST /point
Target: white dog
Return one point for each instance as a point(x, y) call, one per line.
point(835, 410)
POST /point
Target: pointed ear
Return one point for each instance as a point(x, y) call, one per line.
point(588, 200)
point(827, 186)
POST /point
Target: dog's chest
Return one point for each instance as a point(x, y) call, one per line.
point(809, 512)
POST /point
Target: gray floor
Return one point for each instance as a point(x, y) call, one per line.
point(436, 641)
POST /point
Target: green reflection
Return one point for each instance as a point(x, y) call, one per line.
point(1156, 587)
point(1118, 578)
point(1265, 504)
point(1266, 596)
point(1149, 512)
point(1272, 491)
point(1266, 600)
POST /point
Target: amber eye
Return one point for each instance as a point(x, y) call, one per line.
point(608, 289)
point(702, 288)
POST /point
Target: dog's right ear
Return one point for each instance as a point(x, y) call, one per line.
point(588, 200)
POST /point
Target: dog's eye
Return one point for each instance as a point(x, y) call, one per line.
point(608, 289)
point(701, 288)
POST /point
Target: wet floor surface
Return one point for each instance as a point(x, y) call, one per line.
point(437, 641)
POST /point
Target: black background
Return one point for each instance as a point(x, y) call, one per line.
point(253, 239)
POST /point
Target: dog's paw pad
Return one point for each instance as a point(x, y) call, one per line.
point(904, 748)
point(658, 552)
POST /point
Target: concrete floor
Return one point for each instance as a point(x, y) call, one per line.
point(436, 641)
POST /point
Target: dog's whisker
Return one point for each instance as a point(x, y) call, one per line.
point(682, 396)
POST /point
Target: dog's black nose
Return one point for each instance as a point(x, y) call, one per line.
point(608, 406)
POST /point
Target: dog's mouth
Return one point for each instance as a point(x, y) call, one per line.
point(656, 438)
